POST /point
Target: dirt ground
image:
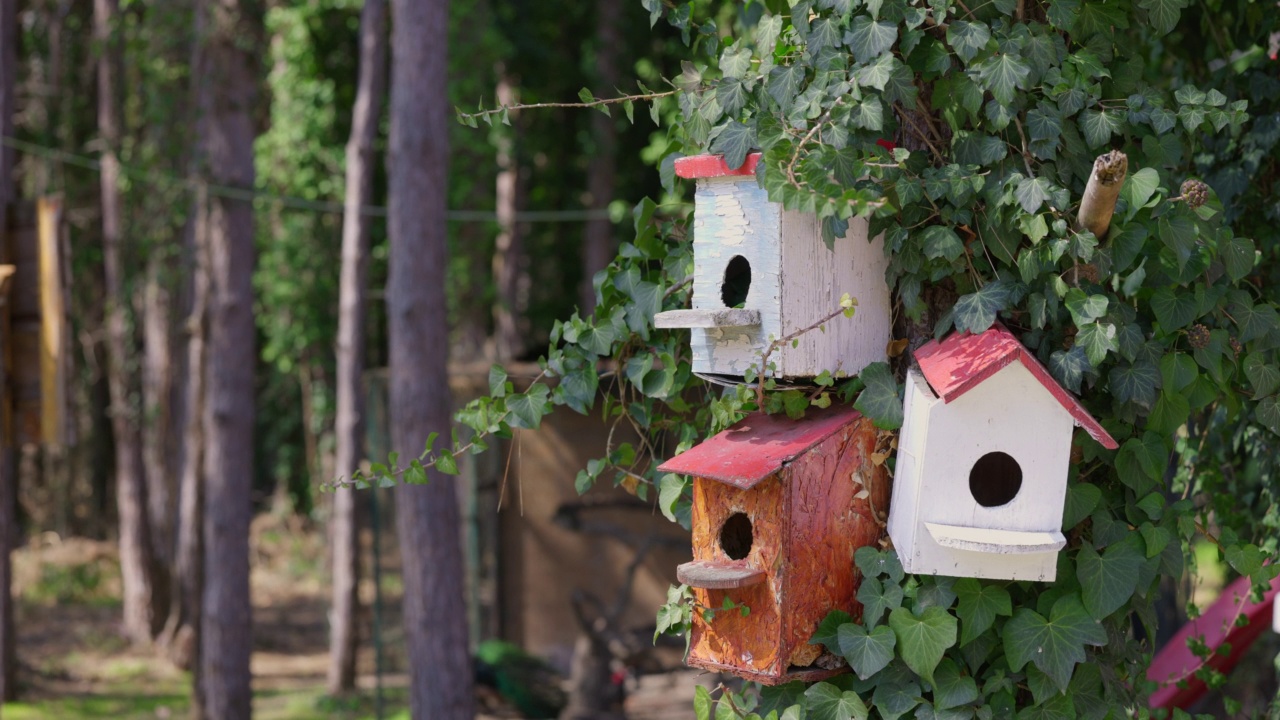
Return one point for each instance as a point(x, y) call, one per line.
point(74, 664)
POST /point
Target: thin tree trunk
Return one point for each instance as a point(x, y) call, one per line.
point(225, 638)
point(157, 382)
point(8, 528)
point(136, 559)
point(509, 274)
point(349, 421)
point(598, 247)
point(427, 515)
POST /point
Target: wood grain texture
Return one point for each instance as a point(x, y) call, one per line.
point(707, 318)
point(808, 519)
point(710, 575)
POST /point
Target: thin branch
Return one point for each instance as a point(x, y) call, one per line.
point(1026, 154)
point(596, 103)
point(764, 359)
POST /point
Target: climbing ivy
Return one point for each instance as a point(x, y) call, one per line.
point(965, 134)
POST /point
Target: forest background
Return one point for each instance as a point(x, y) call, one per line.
point(151, 120)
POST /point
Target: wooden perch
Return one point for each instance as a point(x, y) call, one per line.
point(1099, 202)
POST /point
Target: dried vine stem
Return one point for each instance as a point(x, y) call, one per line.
point(1099, 202)
point(847, 306)
point(598, 102)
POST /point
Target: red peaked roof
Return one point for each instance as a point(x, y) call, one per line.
point(709, 166)
point(759, 446)
point(962, 361)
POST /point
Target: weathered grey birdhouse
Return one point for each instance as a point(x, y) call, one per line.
point(981, 477)
point(761, 273)
point(779, 507)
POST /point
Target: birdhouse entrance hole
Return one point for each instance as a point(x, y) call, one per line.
point(735, 536)
point(737, 282)
point(995, 479)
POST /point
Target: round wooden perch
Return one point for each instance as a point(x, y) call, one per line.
point(1099, 203)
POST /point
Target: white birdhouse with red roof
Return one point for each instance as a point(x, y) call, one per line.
point(762, 273)
point(981, 476)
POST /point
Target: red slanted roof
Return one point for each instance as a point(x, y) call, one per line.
point(759, 446)
point(711, 166)
point(962, 361)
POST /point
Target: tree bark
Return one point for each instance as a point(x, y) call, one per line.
point(225, 638)
point(509, 273)
point(8, 475)
point(137, 563)
point(349, 421)
point(1100, 194)
point(157, 382)
point(598, 246)
point(427, 515)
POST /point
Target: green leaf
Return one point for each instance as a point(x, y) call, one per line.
point(868, 39)
point(979, 605)
point(735, 61)
point(497, 381)
point(1085, 308)
point(1107, 581)
point(1263, 376)
point(976, 311)
point(828, 632)
point(1246, 559)
point(1255, 321)
point(528, 408)
point(1175, 310)
point(1044, 123)
point(735, 141)
point(701, 703)
point(1097, 339)
point(1179, 235)
point(670, 489)
point(1082, 498)
point(967, 38)
point(1003, 74)
point(1098, 126)
point(880, 399)
point(824, 33)
point(1135, 382)
point(1238, 257)
point(1162, 14)
point(1054, 645)
point(941, 241)
point(1032, 193)
point(1139, 187)
point(923, 640)
point(876, 597)
point(446, 463)
point(1269, 413)
point(1177, 370)
point(784, 84)
point(951, 689)
point(828, 702)
point(867, 652)
point(1069, 366)
point(1170, 413)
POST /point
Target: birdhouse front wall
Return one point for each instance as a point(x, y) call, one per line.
point(752, 643)
point(956, 461)
point(735, 227)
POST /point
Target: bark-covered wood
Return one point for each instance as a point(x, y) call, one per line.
point(510, 276)
point(598, 245)
point(137, 562)
point(1100, 194)
point(225, 638)
point(427, 515)
point(8, 529)
point(349, 422)
point(159, 435)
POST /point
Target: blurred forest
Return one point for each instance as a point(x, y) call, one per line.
point(163, 155)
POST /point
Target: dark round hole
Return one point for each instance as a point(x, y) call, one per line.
point(995, 479)
point(735, 536)
point(737, 282)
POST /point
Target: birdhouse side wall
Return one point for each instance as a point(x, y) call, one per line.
point(750, 644)
point(1011, 412)
point(839, 499)
point(813, 280)
point(733, 217)
point(903, 517)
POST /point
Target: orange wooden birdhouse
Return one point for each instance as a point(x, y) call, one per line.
point(779, 507)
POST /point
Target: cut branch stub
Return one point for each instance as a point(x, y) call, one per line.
point(1099, 202)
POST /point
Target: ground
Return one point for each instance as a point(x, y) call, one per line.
point(74, 664)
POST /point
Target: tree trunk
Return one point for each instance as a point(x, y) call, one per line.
point(136, 560)
point(349, 418)
point(427, 515)
point(598, 246)
point(157, 382)
point(8, 526)
point(509, 274)
point(225, 638)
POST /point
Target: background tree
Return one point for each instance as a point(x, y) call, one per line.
point(8, 524)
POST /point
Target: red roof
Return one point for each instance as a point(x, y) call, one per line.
point(759, 446)
point(962, 361)
point(710, 166)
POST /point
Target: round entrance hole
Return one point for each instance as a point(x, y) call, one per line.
point(995, 479)
point(735, 536)
point(737, 282)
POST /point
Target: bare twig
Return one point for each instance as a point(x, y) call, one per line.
point(598, 102)
point(1026, 154)
point(764, 359)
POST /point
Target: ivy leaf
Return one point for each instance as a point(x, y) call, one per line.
point(867, 652)
point(1085, 308)
point(1082, 498)
point(1069, 366)
point(1097, 339)
point(880, 399)
point(1264, 376)
point(1108, 580)
point(923, 640)
point(784, 84)
point(1003, 74)
point(967, 38)
point(1043, 123)
point(735, 61)
point(1174, 310)
point(1163, 14)
point(1179, 235)
point(1098, 126)
point(1139, 187)
point(976, 311)
point(1269, 413)
point(734, 141)
point(979, 605)
point(941, 241)
point(1246, 559)
point(824, 33)
point(828, 702)
point(1238, 257)
point(868, 39)
point(497, 381)
point(1136, 382)
point(952, 689)
point(732, 95)
point(1255, 321)
point(528, 408)
point(1170, 412)
point(876, 597)
point(893, 699)
point(1054, 645)
point(1031, 193)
